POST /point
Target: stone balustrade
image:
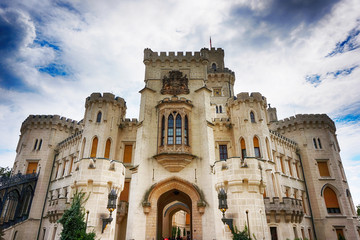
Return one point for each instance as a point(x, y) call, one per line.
point(290, 209)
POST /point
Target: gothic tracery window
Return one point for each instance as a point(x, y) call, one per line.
point(170, 135)
point(186, 131)
point(163, 131)
point(174, 129)
point(10, 206)
point(178, 129)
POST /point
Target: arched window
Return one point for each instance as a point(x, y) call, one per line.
point(252, 117)
point(170, 135)
point(94, 147)
point(9, 209)
point(25, 201)
point(36, 142)
point(213, 66)
point(220, 109)
point(243, 148)
point(163, 131)
point(256, 147)
point(319, 143)
point(98, 117)
point(217, 109)
point(107, 148)
point(40, 144)
point(186, 131)
point(268, 148)
point(315, 145)
point(331, 201)
point(178, 129)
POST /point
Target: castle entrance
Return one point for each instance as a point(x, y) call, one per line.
point(174, 203)
point(174, 215)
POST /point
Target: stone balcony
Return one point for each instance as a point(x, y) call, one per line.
point(56, 208)
point(290, 210)
point(175, 157)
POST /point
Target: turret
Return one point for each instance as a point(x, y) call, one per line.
point(322, 167)
point(36, 150)
point(103, 116)
point(272, 114)
point(249, 120)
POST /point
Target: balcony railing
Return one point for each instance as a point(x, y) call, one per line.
point(6, 182)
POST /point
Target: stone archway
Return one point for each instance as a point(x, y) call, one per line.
point(167, 191)
point(167, 205)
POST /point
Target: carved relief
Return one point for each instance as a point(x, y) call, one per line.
point(175, 84)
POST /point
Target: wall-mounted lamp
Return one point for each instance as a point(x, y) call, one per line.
point(111, 206)
point(222, 196)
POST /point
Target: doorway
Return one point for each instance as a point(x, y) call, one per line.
point(174, 202)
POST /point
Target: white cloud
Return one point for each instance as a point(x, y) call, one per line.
point(102, 43)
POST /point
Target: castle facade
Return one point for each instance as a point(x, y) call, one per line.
point(199, 160)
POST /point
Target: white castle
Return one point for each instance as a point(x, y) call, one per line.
point(197, 150)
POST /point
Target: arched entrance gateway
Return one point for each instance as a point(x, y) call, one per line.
point(168, 197)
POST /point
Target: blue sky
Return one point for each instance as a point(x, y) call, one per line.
point(302, 55)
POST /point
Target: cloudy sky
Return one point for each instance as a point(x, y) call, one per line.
point(303, 55)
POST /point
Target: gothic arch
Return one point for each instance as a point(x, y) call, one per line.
point(332, 188)
point(192, 195)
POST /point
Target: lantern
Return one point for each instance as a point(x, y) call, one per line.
point(222, 201)
point(111, 206)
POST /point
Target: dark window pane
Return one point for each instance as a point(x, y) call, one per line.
point(223, 152)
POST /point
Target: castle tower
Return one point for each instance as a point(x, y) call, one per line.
point(102, 119)
point(98, 169)
point(243, 174)
point(36, 150)
point(174, 146)
point(329, 194)
point(220, 80)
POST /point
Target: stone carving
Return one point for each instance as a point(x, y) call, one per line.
point(175, 84)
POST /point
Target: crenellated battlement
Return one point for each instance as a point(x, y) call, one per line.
point(245, 97)
point(105, 97)
point(47, 120)
point(221, 122)
point(215, 72)
point(317, 119)
point(128, 122)
point(73, 138)
point(150, 56)
point(280, 138)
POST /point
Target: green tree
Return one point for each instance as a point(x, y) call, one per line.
point(73, 220)
point(178, 232)
point(5, 171)
point(173, 232)
point(240, 235)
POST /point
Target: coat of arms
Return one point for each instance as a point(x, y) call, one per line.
point(175, 83)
